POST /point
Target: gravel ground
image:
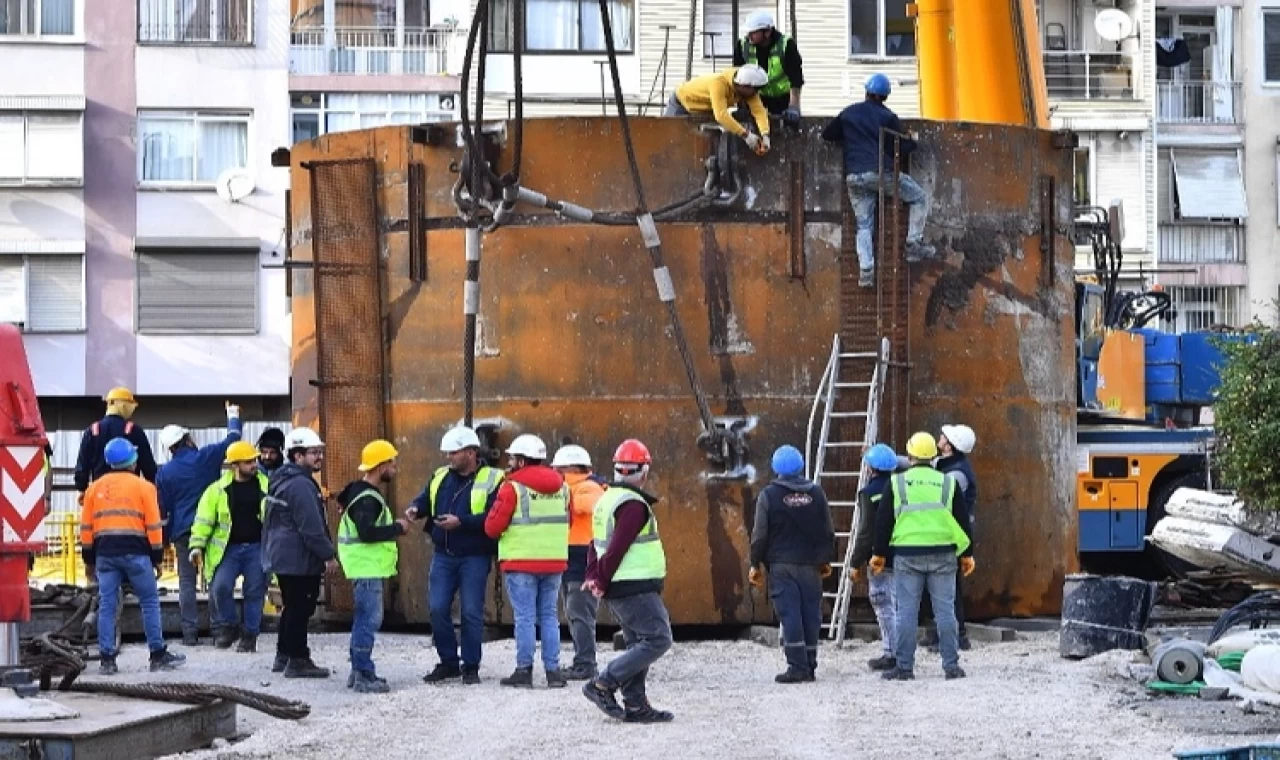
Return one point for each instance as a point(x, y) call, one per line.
point(1021, 700)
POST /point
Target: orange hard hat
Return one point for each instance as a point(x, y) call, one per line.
point(632, 451)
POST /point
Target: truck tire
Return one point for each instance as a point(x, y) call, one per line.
point(1155, 511)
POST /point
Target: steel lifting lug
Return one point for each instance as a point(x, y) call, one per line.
point(726, 447)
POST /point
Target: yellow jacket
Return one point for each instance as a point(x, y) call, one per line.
point(714, 93)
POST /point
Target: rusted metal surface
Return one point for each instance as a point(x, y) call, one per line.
point(573, 342)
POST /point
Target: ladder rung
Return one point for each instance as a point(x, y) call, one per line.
point(843, 535)
point(843, 444)
point(840, 475)
point(842, 503)
point(836, 564)
point(852, 385)
point(859, 355)
point(848, 414)
point(829, 595)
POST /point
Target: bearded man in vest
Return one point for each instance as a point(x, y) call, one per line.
point(530, 522)
point(455, 503)
point(368, 553)
point(923, 520)
point(779, 56)
point(626, 566)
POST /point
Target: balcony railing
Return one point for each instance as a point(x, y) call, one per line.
point(370, 50)
point(1198, 102)
point(1083, 75)
point(1204, 243)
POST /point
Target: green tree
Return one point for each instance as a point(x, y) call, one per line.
point(1247, 417)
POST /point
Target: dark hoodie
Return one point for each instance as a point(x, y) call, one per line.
point(364, 514)
point(868, 504)
point(295, 538)
point(541, 479)
point(792, 525)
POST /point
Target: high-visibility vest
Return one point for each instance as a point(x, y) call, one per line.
point(922, 510)
point(121, 504)
point(645, 560)
point(487, 480)
point(366, 560)
point(212, 529)
point(539, 526)
point(779, 84)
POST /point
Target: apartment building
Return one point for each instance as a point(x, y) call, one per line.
point(139, 212)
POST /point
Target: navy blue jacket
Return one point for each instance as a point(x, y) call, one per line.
point(295, 535)
point(792, 524)
point(858, 128)
point(958, 463)
point(454, 498)
point(183, 479)
point(91, 465)
point(864, 532)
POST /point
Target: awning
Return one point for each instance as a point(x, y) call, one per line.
point(1209, 184)
point(197, 244)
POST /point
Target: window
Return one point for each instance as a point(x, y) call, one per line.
point(190, 148)
point(717, 24)
point(37, 18)
point(195, 21)
point(197, 291)
point(562, 26)
point(41, 148)
point(1271, 45)
point(1083, 182)
point(881, 28)
point(1202, 308)
point(316, 114)
point(42, 292)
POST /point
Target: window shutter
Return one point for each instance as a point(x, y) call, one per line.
point(198, 292)
point(55, 149)
point(57, 293)
point(13, 290)
point(13, 152)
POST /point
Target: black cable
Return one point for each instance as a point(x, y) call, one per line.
point(693, 34)
point(1258, 610)
point(513, 177)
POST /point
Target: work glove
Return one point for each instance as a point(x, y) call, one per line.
point(791, 116)
point(755, 577)
point(233, 411)
point(196, 557)
point(753, 141)
point(765, 145)
point(967, 566)
point(857, 575)
point(876, 564)
point(824, 570)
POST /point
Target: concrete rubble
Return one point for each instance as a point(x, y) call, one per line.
point(1212, 530)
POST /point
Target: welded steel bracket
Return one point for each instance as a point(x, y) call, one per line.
point(722, 185)
point(727, 448)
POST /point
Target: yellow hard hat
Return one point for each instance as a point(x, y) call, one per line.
point(375, 453)
point(241, 451)
point(922, 446)
point(121, 394)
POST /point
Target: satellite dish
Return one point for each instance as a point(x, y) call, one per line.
point(446, 102)
point(1113, 24)
point(234, 185)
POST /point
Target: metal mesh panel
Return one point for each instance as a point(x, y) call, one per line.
point(348, 304)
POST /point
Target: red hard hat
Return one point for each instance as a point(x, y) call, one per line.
point(632, 451)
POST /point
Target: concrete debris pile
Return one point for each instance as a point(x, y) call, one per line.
point(1211, 530)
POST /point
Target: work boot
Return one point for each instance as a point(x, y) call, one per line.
point(919, 251)
point(190, 639)
point(226, 637)
point(556, 679)
point(443, 672)
point(645, 713)
point(867, 278)
point(897, 674)
point(883, 662)
point(163, 659)
point(368, 683)
point(792, 675)
point(280, 663)
point(107, 666)
point(953, 673)
point(812, 675)
point(580, 673)
point(248, 643)
point(303, 667)
point(523, 677)
point(602, 696)
point(470, 675)
point(964, 644)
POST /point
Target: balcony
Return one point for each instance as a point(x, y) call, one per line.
point(1198, 103)
point(1085, 75)
point(1201, 243)
point(371, 51)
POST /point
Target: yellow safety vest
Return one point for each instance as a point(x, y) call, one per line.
point(487, 480)
point(366, 560)
point(539, 528)
point(645, 560)
point(922, 499)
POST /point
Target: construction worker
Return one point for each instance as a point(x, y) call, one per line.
point(530, 522)
point(368, 553)
point(779, 56)
point(923, 522)
point(226, 542)
point(792, 539)
point(121, 539)
point(882, 461)
point(296, 549)
point(181, 482)
point(955, 443)
point(457, 500)
point(719, 94)
point(859, 128)
point(90, 463)
point(626, 566)
point(270, 450)
point(580, 606)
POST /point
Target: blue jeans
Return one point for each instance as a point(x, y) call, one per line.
point(112, 571)
point(796, 591)
point(465, 577)
point(864, 193)
point(188, 579)
point(880, 594)
point(240, 561)
point(912, 573)
point(366, 619)
point(535, 598)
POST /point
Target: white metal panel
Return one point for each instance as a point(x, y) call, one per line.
point(1210, 184)
point(13, 290)
point(1121, 175)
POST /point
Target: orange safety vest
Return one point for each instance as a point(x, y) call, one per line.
point(121, 504)
point(584, 493)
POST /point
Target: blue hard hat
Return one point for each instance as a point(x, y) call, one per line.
point(119, 453)
point(878, 84)
point(882, 458)
point(788, 461)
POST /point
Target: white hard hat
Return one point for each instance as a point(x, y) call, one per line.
point(571, 456)
point(759, 20)
point(302, 438)
point(171, 435)
point(528, 446)
point(751, 75)
point(961, 437)
point(459, 438)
